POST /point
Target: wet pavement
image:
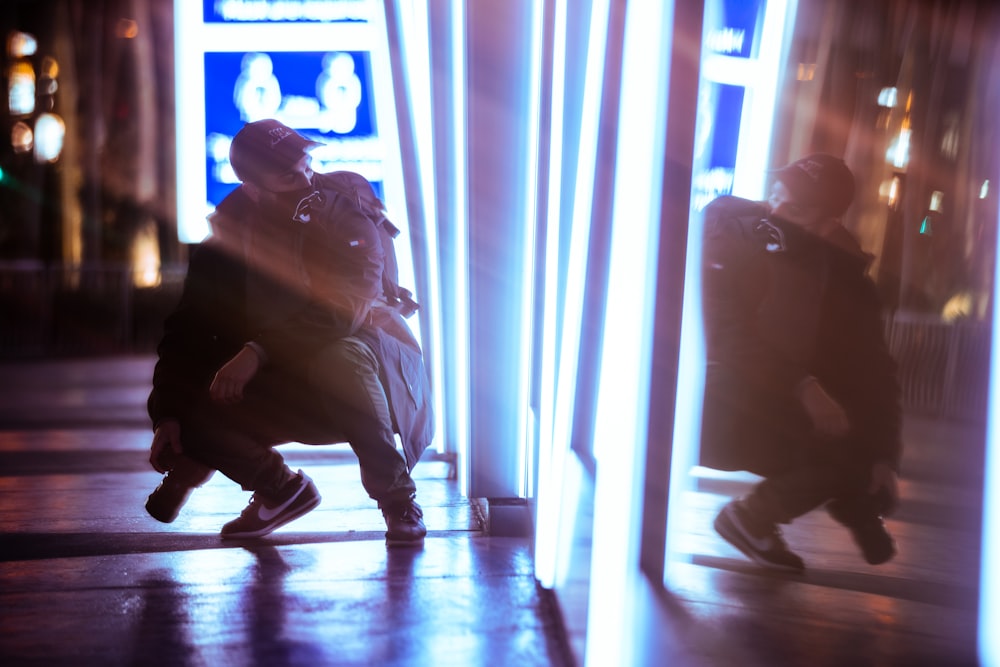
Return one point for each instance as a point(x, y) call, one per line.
point(919, 609)
point(87, 578)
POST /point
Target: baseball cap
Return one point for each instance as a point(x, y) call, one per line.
point(819, 179)
point(266, 146)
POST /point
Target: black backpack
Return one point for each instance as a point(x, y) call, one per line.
point(357, 188)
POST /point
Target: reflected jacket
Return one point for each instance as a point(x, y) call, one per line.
point(781, 304)
point(289, 288)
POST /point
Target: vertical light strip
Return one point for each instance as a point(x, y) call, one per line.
point(620, 430)
point(387, 124)
point(754, 151)
point(989, 583)
point(460, 322)
point(691, 385)
point(571, 308)
point(414, 27)
point(531, 171)
point(551, 457)
point(189, 69)
point(576, 272)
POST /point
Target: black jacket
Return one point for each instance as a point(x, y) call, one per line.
point(781, 304)
point(311, 284)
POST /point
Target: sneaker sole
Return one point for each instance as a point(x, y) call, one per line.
point(305, 509)
point(730, 533)
point(401, 542)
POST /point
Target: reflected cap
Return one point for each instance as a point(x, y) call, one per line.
point(819, 179)
point(266, 147)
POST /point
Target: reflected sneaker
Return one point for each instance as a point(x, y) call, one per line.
point(405, 524)
point(761, 544)
point(167, 499)
point(264, 514)
point(868, 530)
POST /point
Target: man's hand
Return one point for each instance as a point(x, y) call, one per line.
point(828, 417)
point(229, 382)
point(885, 483)
point(166, 441)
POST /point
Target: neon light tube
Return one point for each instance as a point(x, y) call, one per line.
point(460, 377)
point(551, 458)
point(989, 583)
point(620, 429)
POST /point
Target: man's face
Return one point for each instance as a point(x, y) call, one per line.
point(784, 205)
point(297, 178)
point(279, 194)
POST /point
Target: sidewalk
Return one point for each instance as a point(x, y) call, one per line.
point(919, 609)
point(87, 578)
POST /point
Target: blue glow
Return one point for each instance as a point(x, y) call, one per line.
point(531, 171)
point(626, 356)
point(579, 233)
point(691, 378)
point(414, 30)
point(552, 453)
point(291, 60)
point(192, 200)
point(567, 313)
point(989, 586)
point(742, 65)
point(754, 152)
point(460, 324)
point(283, 11)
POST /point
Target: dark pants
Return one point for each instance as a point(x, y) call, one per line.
point(746, 426)
point(334, 396)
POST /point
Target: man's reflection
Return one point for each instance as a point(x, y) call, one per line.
point(800, 386)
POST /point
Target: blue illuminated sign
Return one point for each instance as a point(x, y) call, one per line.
point(327, 97)
point(732, 27)
point(743, 42)
point(284, 11)
point(720, 116)
point(319, 66)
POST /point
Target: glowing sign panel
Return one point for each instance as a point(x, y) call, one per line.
point(326, 96)
point(319, 66)
point(742, 40)
point(285, 10)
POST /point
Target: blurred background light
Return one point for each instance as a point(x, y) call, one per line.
point(887, 98)
point(937, 197)
point(126, 29)
point(21, 44)
point(22, 139)
point(50, 131)
point(21, 89)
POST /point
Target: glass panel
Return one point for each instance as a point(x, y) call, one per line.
point(903, 92)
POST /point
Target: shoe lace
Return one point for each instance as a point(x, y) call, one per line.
point(249, 509)
point(410, 512)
